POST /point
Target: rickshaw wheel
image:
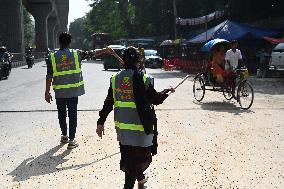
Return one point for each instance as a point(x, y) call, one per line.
point(199, 88)
point(245, 95)
point(228, 94)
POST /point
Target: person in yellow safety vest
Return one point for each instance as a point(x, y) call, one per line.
point(64, 72)
point(132, 95)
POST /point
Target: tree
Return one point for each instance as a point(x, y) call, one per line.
point(29, 28)
point(144, 18)
point(106, 17)
point(81, 38)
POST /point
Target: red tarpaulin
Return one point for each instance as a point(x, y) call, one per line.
point(274, 40)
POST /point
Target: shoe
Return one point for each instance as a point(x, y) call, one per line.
point(142, 182)
point(72, 144)
point(64, 139)
point(141, 186)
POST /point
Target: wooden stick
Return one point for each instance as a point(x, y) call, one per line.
point(183, 80)
point(100, 52)
point(119, 59)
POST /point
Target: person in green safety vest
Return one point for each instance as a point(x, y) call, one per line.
point(65, 74)
point(132, 95)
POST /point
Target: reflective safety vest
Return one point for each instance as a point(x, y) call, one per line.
point(128, 125)
point(67, 75)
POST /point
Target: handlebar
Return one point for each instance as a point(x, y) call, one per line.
point(242, 69)
point(242, 73)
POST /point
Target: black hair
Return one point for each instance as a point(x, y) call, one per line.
point(130, 57)
point(234, 41)
point(65, 39)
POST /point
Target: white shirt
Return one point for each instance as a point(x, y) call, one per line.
point(233, 58)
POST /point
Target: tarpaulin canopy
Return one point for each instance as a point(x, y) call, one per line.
point(274, 40)
point(230, 30)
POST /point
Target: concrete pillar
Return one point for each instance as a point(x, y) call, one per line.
point(40, 12)
point(51, 23)
point(64, 27)
point(12, 27)
point(56, 35)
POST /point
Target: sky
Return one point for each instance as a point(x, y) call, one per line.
point(77, 9)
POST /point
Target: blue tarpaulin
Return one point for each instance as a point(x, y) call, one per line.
point(230, 30)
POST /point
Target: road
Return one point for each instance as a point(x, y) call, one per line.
point(212, 144)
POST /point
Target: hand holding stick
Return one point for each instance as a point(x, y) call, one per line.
point(108, 51)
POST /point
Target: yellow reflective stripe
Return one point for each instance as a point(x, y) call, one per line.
point(132, 127)
point(69, 72)
point(68, 86)
point(76, 59)
point(53, 64)
point(144, 78)
point(113, 86)
point(120, 104)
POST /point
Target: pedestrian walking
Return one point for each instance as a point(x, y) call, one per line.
point(132, 95)
point(264, 58)
point(65, 74)
point(142, 59)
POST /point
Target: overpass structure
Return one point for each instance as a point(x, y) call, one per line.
point(51, 18)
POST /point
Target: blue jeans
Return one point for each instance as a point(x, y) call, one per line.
point(71, 104)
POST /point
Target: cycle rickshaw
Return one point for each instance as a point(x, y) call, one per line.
point(242, 90)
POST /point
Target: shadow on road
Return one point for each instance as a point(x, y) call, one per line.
point(273, 86)
point(47, 163)
point(111, 70)
point(223, 107)
point(92, 62)
point(76, 167)
point(42, 165)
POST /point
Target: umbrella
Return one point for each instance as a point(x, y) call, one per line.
point(167, 42)
point(210, 44)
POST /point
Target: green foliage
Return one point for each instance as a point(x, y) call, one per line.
point(144, 18)
point(106, 17)
point(81, 38)
point(141, 18)
point(29, 30)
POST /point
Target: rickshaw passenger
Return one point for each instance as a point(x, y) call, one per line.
point(217, 63)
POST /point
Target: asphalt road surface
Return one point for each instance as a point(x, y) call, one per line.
point(212, 144)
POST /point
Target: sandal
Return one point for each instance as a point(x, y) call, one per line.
point(144, 180)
